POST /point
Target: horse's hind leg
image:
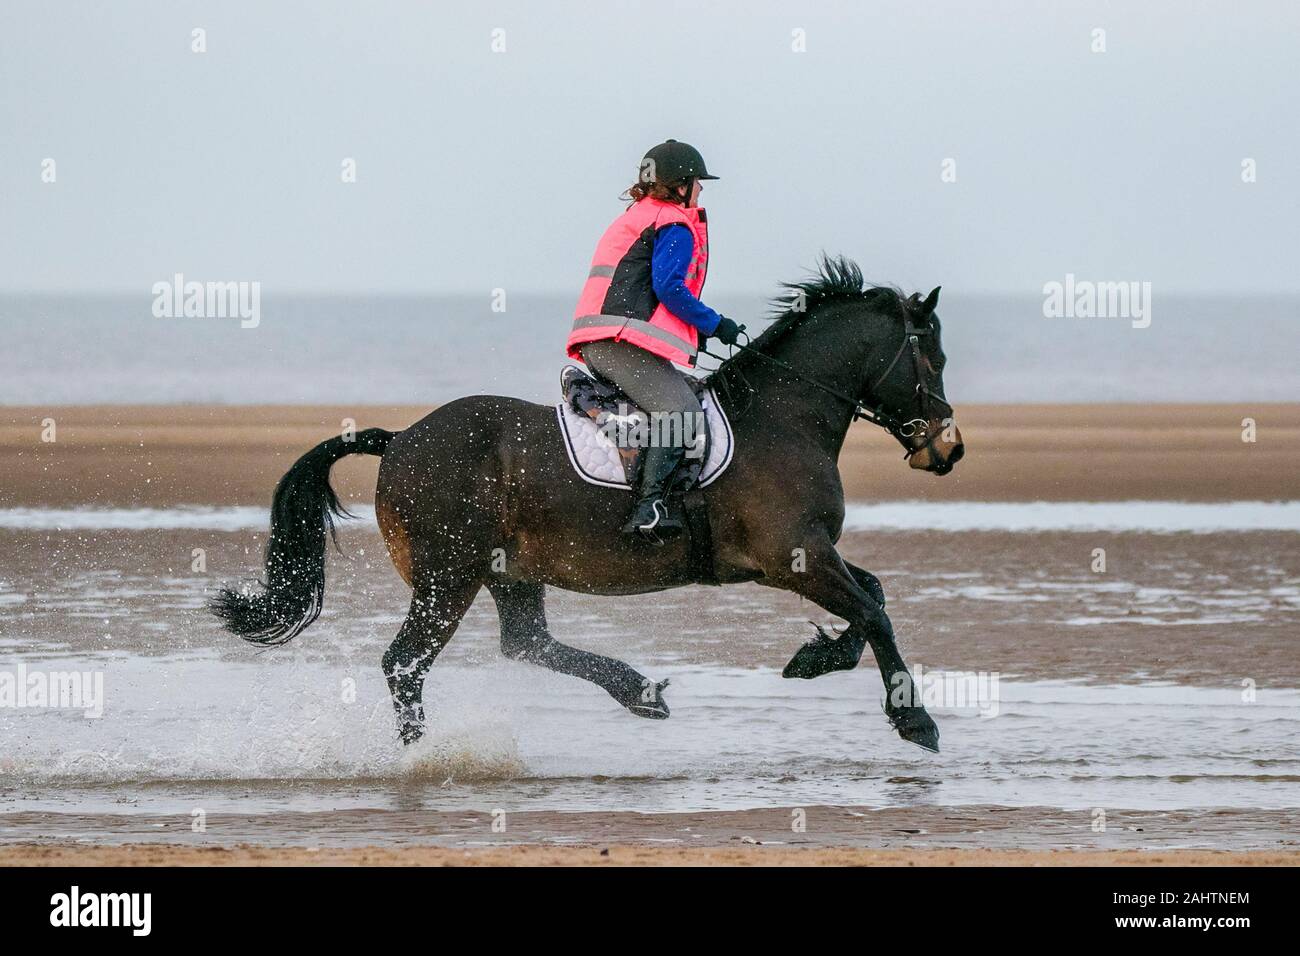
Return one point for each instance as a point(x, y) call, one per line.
point(436, 611)
point(521, 605)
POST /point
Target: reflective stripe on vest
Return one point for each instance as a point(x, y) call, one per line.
point(623, 244)
point(624, 323)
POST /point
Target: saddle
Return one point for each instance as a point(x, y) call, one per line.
point(604, 434)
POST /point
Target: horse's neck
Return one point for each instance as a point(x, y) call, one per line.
point(794, 408)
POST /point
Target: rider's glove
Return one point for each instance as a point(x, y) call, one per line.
point(727, 331)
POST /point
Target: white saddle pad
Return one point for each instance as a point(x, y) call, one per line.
point(596, 459)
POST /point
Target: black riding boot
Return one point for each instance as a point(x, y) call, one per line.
point(650, 515)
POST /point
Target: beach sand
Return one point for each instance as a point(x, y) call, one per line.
point(616, 855)
point(156, 456)
point(838, 836)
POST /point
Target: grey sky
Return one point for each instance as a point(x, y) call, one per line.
point(479, 169)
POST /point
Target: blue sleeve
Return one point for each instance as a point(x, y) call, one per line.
point(674, 246)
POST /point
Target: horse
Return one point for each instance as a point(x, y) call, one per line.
point(479, 493)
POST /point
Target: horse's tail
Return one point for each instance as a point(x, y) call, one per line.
point(303, 509)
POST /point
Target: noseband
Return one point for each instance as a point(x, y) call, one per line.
point(904, 431)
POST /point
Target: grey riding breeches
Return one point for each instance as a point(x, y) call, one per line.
point(651, 381)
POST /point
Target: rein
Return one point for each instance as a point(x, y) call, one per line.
point(904, 431)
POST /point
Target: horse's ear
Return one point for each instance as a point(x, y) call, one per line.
point(931, 301)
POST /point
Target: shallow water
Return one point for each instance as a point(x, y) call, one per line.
point(1171, 681)
point(268, 736)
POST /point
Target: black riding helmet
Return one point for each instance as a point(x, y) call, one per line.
point(673, 163)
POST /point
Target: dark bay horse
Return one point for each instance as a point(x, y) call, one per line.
point(480, 493)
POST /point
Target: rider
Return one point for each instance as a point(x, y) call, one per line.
point(640, 312)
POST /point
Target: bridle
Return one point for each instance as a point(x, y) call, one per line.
point(904, 431)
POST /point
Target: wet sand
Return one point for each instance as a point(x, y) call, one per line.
point(616, 855)
point(836, 835)
point(157, 456)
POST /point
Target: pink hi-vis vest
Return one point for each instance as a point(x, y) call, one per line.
point(618, 302)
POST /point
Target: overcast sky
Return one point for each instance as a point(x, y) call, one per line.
point(479, 169)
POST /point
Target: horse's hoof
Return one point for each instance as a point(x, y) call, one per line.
point(822, 655)
point(916, 726)
point(653, 707)
point(411, 734)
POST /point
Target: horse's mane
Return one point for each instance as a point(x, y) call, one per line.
point(838, 280)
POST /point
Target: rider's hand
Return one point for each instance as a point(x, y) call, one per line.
point(727, 331)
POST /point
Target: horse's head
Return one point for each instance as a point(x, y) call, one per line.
point(876, 351)
point(904, 387)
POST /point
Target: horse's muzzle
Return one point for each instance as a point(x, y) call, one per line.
point(953, 456)
point(941, 451)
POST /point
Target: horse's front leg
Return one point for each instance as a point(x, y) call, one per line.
point(828, 582)
point(825, 654)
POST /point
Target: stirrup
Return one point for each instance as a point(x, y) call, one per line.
point(658, 527)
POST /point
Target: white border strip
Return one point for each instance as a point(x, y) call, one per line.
point(712, 399)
